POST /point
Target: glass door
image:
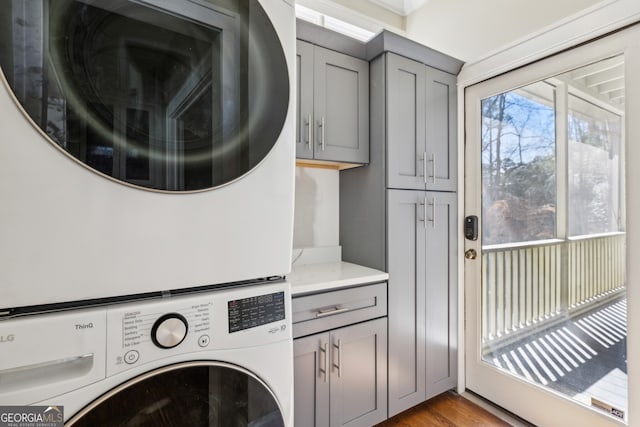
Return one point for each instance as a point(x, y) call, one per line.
point(546, 280)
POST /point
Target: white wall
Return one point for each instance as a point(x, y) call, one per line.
point(471, 29)
point(316, 218)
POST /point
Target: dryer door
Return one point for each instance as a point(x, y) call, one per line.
point(170, 95)
point(207, 394)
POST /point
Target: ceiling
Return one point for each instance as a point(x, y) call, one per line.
point(471, 30)
point(401, 7)
point(604, 80)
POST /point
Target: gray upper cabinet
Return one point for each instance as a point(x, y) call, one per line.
point(333, 106)
point(422, 306)
point(406, 113)
point(304, 105)
point(442, 136)
point(421, 126)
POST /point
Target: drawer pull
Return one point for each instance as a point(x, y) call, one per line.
point(330, 311)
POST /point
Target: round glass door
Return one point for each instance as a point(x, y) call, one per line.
point(181, 95)
point(195, 394)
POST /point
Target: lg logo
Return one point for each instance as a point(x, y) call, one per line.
point(7, 338)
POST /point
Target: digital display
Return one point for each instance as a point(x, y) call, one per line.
point(255, 311)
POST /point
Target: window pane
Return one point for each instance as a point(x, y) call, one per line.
point(594, 168)
point(519, 165)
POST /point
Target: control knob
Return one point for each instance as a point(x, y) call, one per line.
point(169, 330)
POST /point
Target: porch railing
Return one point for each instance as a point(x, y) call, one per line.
point(527, 285)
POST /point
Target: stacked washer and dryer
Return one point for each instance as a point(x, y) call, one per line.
point(146, 210)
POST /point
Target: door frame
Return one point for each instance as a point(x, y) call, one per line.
point(626, 41)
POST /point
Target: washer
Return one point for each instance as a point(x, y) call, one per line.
point(202, 359)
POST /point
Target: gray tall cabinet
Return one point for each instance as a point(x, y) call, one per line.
point(399, 214)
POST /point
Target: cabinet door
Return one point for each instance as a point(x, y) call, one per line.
point(441, 140)
point(341, 106)
point(406, 112)
point(304, 104)
point(359, 374)
point(311, 381)
point(406, 266)
point(441, 293)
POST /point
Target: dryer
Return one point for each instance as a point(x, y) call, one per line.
point(220, 358)
point(147, 145)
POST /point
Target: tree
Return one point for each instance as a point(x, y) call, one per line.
point(518, 154)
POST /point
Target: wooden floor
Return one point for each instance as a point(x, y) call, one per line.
point(448, 409)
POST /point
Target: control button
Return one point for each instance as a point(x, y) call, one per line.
point(169, 330)
point(131, 357)
point(204, 341)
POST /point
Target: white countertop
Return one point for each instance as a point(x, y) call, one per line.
point(311, 278)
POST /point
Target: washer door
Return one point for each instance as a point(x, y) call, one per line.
point(171, 95)
point(207, 394)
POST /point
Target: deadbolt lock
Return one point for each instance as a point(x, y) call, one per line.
point(470, 254)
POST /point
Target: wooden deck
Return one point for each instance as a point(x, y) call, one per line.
point(583, 357)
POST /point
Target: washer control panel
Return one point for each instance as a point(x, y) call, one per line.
point(151, 330)
point(145, 331)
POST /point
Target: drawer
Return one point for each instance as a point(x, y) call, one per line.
point(333, 309)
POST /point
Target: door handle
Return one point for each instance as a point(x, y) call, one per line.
point(470, 254)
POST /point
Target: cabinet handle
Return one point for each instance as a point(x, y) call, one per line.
point(329, 311)
point(424, 167)
point(309, 130)
point(433, 213)
point(424, 212)
point(322, 133)
point(322, 370)
point(338, 365)
point(433, 168)
point(425, 205)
